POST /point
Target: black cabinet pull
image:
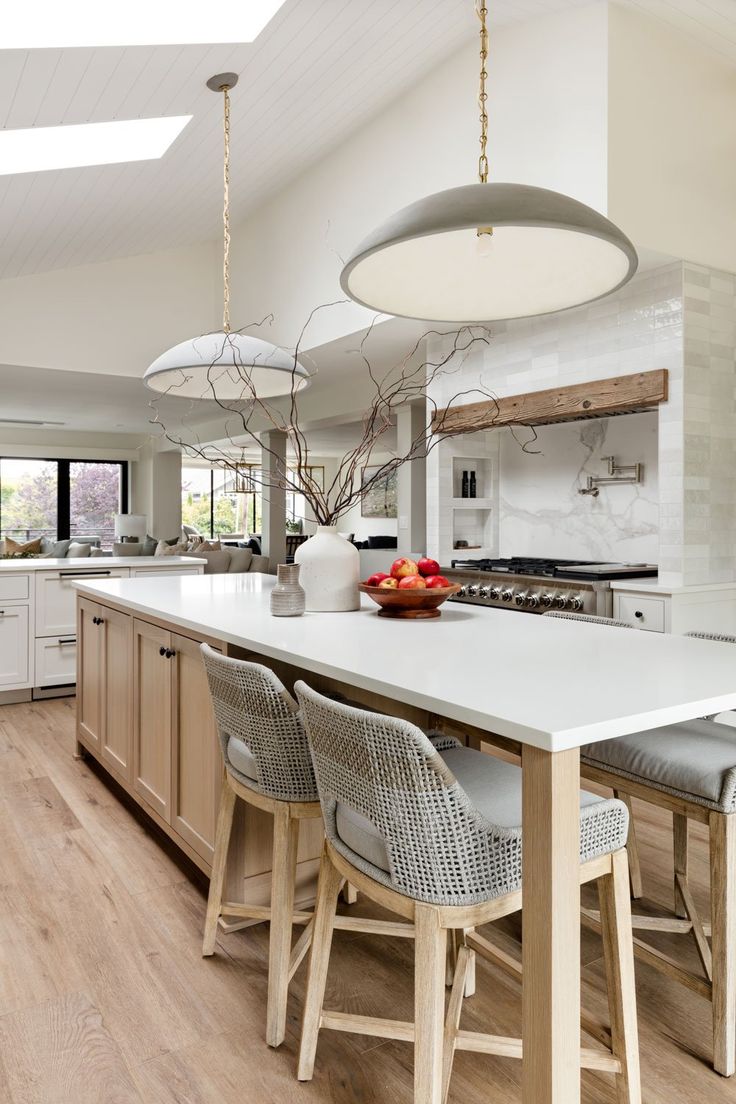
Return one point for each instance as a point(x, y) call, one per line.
point(162, 651)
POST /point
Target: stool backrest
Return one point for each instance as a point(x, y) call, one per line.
point(440, 848)
point(252, 705)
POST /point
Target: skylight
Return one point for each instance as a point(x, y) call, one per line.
point(70, 147)
point(62, 23)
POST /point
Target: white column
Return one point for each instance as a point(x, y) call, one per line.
point(412, 480)
point(273, 465)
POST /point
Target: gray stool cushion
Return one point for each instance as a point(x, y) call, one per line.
point(694, 759)
point(494, 788)
point(241, 758)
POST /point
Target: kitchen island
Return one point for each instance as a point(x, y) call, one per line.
point(544, 685)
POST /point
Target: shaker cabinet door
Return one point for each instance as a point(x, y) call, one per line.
point(152, 701)
point(90, 671)
point(196, 757)
point(117, 727)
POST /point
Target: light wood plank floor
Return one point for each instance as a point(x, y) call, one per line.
point(104, 998)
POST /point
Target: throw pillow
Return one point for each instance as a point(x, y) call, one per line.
point(54, 549)
point(164, 548)
point(78, 550)
point(240, 560)
point(200, 544)
point(30, 548)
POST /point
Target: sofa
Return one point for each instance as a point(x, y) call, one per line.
point(229, 561)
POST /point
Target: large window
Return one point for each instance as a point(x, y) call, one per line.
point(212, 506)
point(61, 498)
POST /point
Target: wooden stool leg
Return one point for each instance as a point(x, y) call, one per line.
point(217, 877)
point(680, 841)
point(618, 948)
point(723, 919)
point(632, 848)
point(429, 1004)
point(328, 888)
point(349, 894)
point(285, 846)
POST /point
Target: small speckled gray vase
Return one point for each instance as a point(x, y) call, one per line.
point(287, 597)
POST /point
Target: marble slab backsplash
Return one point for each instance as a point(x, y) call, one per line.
point(541, 512)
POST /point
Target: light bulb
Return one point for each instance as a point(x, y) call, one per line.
point(484, 243)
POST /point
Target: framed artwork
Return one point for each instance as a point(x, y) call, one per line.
point(380, 500)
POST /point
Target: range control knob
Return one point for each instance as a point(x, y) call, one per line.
point(532, 600)
point(494, 593)
point(472, 591)
point(547, 600)
point(462, 593)
point(576, 602)
point(560, 601)
point(507, 595)
point(520, 598)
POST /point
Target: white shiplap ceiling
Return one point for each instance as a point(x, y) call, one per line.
point(318, 71)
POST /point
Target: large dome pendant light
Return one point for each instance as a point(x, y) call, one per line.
point(486, 252)
point(224, 365)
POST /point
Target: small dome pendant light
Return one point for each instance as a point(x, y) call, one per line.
point(225, 365)
point(486, 252)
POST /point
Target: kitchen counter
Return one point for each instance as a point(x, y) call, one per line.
point(94, 563)
point(655, 586)
point(547, 682)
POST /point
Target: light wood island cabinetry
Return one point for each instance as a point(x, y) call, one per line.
point(144, 712)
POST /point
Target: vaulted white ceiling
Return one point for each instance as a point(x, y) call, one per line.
point(317, 72)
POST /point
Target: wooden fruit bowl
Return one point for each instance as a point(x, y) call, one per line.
point(421, 602)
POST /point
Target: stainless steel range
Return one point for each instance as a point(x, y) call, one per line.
point(532, 585)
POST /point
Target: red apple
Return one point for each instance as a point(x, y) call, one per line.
point(428, 567)
point(376, 578)
point(412, 582)
point(388, 583)
point(402, 567)
point(434, 581)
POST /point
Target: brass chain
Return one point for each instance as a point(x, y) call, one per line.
point(482, 13)
point(226, 212)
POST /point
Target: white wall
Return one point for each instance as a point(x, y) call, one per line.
point(548, 105)
point(672, 140)
point(112, 318)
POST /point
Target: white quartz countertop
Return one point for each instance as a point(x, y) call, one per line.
point(654, 586)
point(94, 563)
point(545, 681)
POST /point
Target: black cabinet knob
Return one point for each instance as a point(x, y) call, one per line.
point(639, 614)
point(169, 653)
point(162, 651)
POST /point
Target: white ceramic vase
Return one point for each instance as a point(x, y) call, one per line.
point(329, 571)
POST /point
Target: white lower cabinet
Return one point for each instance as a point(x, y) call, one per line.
point(56, 597)
point(56, 661)
point(15, 659)
point(641, 611)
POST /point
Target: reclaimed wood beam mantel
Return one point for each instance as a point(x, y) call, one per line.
point(594, 399)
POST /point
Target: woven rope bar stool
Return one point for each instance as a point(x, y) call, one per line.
point(688, 769)
point(436, 838)
point(268, 765)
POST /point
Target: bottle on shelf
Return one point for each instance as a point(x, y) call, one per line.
point(473, 489)
point(465, 488)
